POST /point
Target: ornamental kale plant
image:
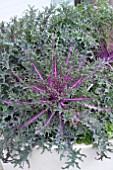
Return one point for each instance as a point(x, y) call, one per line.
point(52, 107)
point(55, 88)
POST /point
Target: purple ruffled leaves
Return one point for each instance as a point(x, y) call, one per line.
point(34, 118)
point(29, 85)
point(76, 99)
point(36, 88)
point(52, 49)
point(97, 108)
point(20, 79)
point(4, 101)
point(90, 75)
point(16, 103)
point(81, 64)
point(67, 77)
point(46, 124)
point(76, 118)
point(55, 67)
point(77, 83)
point(35, 68)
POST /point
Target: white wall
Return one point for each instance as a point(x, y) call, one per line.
point(10, 8)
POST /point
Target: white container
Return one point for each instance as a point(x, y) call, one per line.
point(50, 161)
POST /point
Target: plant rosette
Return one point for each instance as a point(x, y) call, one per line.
point(60, 95)
point(56, 102)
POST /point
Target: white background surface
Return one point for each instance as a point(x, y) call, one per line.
point(10, 8)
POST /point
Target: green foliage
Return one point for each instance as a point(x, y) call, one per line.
point(37, 38)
